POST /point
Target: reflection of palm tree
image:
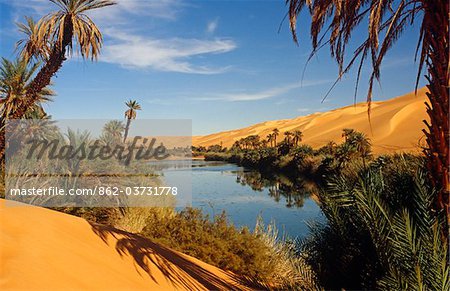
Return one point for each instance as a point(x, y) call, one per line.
point(299, 202)
point(278, 186)
point(130, 114)
point(274, 193)
point(392, 18)
point(289, 202)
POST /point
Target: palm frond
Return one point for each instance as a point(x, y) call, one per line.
point(333, 22)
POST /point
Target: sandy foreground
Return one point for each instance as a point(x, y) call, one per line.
point(395, 125)
point(42, 249)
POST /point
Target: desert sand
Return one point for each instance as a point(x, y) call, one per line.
point(43, 249)
point(395, 125)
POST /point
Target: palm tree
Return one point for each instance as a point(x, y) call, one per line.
point(345, 153)
point(287, 137)
point(15, 78)
point(347, 132)
point(34, 45)
point(270, 139)
point(50, 39)
point(254, 141)
point(61, 29)
point(391, 18)
point(75, 139)
point(330, 148)
point(112, 131)
point(275, 133)
point(130, 114)
point(362, 145)
point(297, 136)
point(263, 143)
point(236, 145)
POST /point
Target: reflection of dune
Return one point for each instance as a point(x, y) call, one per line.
point(395, 125)
point(43, 249)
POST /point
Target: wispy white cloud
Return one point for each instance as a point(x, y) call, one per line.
point(166, 9)
point(264, 94)
point(170, 55)
point(131, 49)
point(162, 9)
point(212, 25)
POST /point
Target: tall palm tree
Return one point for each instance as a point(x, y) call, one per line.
point(130, 114)
point(15, 78)
point(60, 30)
point(275, 133)
point(297, 136)
point(337, 20)
point(50, 39)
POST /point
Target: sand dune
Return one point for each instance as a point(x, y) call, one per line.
point(396, 125)
point(42, 249)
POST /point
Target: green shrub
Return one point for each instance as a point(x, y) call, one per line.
point(212, 241)
point(260, 256)
point(381, 231)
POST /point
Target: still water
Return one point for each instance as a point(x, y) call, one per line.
point(246, 194)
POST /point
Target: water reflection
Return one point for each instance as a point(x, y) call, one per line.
point(246, 195)
point(294, 192)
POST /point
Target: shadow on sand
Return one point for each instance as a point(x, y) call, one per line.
point(171, 264)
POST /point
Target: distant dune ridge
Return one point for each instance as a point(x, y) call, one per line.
point(396, 125)
point(42, 249)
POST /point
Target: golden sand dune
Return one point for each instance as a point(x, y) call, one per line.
point(396, 125)
point(42, 249)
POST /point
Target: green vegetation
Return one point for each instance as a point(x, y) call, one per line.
point(333, 23)
point(259, 256)
point(381, 230)
point(15, 79)
point(44, 50)
point(387, 216)
point(292, 158)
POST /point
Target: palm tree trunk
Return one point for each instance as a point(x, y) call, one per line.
point(127, 128)
point(436, 42)
point(42, 80)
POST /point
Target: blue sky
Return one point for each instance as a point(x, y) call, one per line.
point(222, 64)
